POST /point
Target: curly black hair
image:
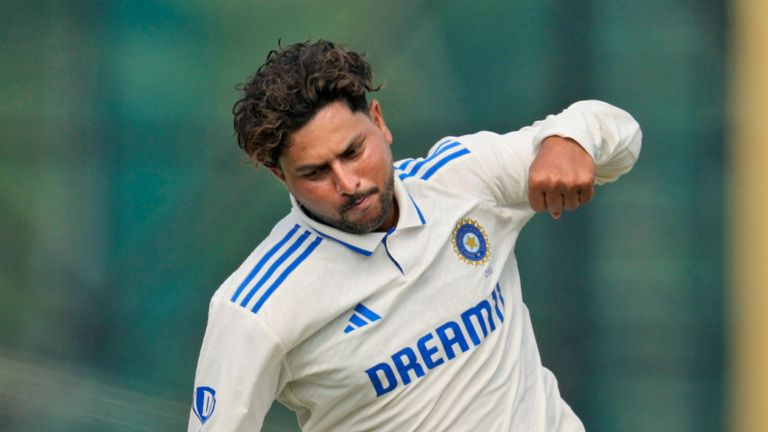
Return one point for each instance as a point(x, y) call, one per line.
point(288, 90)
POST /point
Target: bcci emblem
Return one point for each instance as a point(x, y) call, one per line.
point(470, 242)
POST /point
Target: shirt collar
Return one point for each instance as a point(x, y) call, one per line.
point(410, 215)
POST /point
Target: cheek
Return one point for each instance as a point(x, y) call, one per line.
point(378, 167)
point(317, 196)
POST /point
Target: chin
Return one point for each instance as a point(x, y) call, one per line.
point(363, 225)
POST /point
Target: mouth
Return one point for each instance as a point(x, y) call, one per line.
point(359, 203)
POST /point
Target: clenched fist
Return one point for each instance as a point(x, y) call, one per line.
point(561, 177)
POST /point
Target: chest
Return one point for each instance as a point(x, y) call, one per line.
point(427, 295)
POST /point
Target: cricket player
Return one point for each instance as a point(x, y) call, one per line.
point(389, 298)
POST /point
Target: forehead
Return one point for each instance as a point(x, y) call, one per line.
point(327, 134)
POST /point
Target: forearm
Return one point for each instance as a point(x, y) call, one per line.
point(610, 135)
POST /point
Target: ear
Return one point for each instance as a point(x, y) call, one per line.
point(278, 172)
point(374, 111)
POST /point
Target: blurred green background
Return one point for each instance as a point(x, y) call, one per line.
point(125, 202)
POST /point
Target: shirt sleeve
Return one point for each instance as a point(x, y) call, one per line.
point(497, 165)
point(610, 135)
point(240, 371)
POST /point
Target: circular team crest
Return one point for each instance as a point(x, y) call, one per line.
point(470, 242)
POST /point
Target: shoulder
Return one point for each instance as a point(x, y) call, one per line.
point(285, 255)
point(291, 283)
point(455, 153)
point(443, 153)
point(467, 164)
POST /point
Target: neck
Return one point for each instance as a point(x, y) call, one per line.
point(391, 219)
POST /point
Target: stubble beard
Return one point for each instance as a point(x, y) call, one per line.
point(386, 202)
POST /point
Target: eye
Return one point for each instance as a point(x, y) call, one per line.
point(348, 154)
point(352, 152)
point(315, 174)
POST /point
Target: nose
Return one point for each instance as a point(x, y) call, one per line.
point(347, 182)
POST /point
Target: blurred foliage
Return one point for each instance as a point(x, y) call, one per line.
point(125, 201)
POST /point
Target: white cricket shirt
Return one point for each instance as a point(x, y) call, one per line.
point(422, 328)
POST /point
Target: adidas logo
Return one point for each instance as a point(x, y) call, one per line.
point(362, 316)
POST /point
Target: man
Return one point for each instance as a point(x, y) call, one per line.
point(389, 298)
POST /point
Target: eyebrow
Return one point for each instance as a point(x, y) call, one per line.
point(356, 141)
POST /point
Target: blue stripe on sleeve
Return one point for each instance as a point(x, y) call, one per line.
point(404, 164)
point(442, 162)
point(440, 145)
point(274, 267)
point(371, 315)
point(415, 168)
point(263, 261)
point(285, 274)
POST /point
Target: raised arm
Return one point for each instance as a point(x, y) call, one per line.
point(560, 157)
point(590, 142)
